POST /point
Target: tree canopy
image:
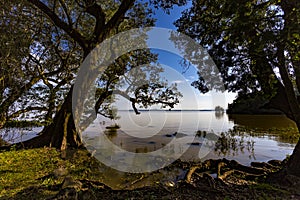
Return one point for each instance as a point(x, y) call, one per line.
point(51, 39)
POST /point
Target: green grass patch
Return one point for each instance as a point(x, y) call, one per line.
point(24, 173)
point(22, 169)
point(30, 174)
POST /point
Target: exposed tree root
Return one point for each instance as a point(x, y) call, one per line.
point(209, 178)
point(224, 168)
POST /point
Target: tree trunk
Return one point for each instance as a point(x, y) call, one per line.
point(61, 133)
point(293, 165)
point(2, 120)
point(291, 27)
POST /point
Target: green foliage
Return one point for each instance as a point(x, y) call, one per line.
point(37, 63)
point(23, 124)
point(252, 103)
point(43, 47)
point(242, 38)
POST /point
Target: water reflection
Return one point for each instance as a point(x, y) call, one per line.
point(245, 138)
point(111, 133)
point(232, 143)
point(240, 137)
point(264, 122)
point(275, 127)
point(219, 115)
point(13, 135)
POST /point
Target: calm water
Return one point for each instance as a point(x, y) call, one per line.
point(153, 130)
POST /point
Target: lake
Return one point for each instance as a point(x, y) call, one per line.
point(245, 138)
point(258, 137)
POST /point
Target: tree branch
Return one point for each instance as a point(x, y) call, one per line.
point(97, 11)
point(126, 96)
point(63, 5)
point(291, 96)
point(19, 112)
point(116, 18)
point(17, 93)
point(134, 101)
point(74, 34)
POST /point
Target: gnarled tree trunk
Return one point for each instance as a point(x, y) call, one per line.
point(61, 133)
point(293, 165)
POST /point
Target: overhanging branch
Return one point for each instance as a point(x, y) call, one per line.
point(134, 101)
point(25, 110)
point(73, 33)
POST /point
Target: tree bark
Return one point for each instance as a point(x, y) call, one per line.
point(61, 133)
point(293, 165)
point(290, 9)
point(2, 120)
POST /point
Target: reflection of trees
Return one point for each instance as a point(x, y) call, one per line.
point(230, 143)
point(111, 133)
point(219, 115)
point(219, 112)
point(284, 135)
point(278, 127)
point(233, 142)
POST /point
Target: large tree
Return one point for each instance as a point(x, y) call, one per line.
point(87, 23)
point(255, 45)
point(30, 57)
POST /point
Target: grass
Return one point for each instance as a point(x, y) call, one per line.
point(33, 171)
point(22, 169)
point(267, 188)
point(30, 174)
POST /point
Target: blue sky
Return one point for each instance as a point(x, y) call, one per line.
point(166, 21)
point(204, 101)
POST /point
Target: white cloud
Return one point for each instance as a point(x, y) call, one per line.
point(178, 81)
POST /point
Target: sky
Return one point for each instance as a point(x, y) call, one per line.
point(204, 101)
point(174, 72)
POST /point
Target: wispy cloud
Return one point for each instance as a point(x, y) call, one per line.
point(178, 81)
